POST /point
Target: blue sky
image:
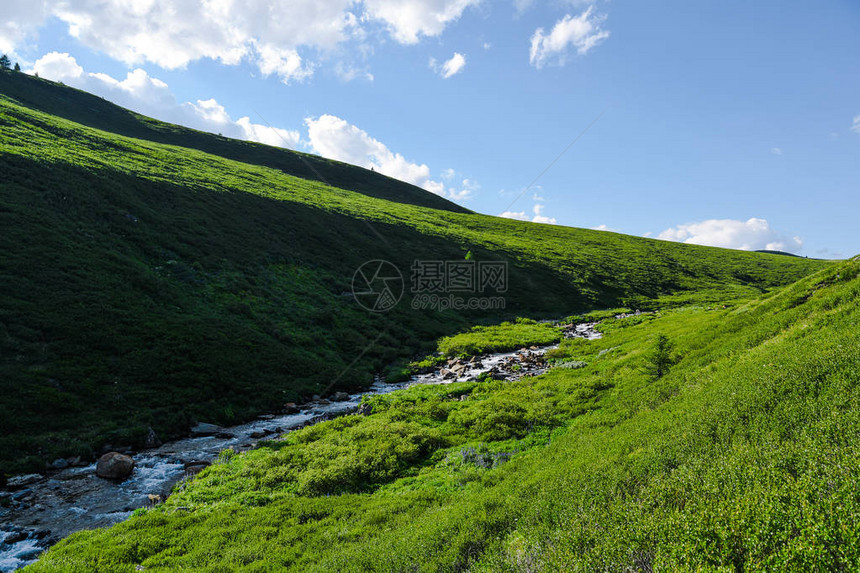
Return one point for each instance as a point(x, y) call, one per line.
point(728, 123)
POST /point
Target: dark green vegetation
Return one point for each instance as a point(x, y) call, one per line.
point(742, 457)
point(153, 276)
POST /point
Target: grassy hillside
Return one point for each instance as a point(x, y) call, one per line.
point(742, 458)
point(143, 284)
point(93, 111)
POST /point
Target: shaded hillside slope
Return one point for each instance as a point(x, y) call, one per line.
point(150, 285)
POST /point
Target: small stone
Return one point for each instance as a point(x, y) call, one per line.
point(15, 537)
point(59, 464)
point(23, 494)
point(290, 408)
point(24, 480)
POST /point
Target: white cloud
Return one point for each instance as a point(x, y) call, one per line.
point(450, 67)
point(753, 234)
point(604, 228)
point(58, 67)
point(21, 19)
point(538, 216)
point(776, 150)
point(275, 36)
point(581, 34)
point(151, 96)
point(518, 215)
point(466, 191)
point(856, 125)
point(285, 63)
point(407, 20)
point(335, 138)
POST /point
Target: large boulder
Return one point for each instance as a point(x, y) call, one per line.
point(114, 465)
point(339, 397)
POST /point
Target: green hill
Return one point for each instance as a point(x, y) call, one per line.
point(91, 110)
point(175, 276)
point(743, 457)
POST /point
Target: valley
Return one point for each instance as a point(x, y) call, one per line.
point(190, 301)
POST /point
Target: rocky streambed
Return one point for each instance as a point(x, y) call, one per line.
point(40, 509)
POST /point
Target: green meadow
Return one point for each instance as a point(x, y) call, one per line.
point(742, 456)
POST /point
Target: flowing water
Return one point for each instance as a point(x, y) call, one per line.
point(45, 509)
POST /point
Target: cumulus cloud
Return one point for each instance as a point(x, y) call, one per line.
point(142, 93)
point(536, 217)
point(750, 235)
point(450, 67)
point(285, 63)
point(335, 138)
point(408, 20)
point(268, 33)
point(579, 34)
point(518, 215)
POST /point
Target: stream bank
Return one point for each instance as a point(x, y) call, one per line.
point(42, 509)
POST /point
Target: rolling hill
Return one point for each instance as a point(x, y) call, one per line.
point(152, 276)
